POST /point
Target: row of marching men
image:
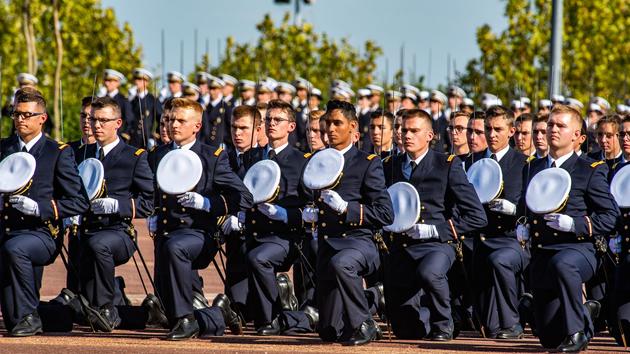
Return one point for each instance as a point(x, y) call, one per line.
point(339, 195)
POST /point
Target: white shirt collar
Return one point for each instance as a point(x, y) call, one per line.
point(346, 149)
point(560, 159)
point(417, 161)
point(227, 98)
point(250, 102)
point(31, 143)
point(217, 101)
point(499, 153)
point(205, 99)
point(177, 94)
point(614, 158)
point(623, 160)
point(113, 93)
point(579, 152)
point(142, 94)
point(107, 148)
point(185, 146)
point(278, 150)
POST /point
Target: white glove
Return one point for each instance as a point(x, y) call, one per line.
point(502, 206)
point(614, 244)
point(274, 212)
point(231, 224)
point(522, 233)
point(422, 232)
point(25, 205)
point(105, 206)
point(152, 223)
point(72, 220)
point(310, 214)
point(194, 200)
point(560, 222)
point(334, 200)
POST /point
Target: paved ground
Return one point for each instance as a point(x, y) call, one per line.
point(148, 341)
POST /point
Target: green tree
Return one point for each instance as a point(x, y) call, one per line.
point(92, 40)
point(596, 43)
point(287, 51)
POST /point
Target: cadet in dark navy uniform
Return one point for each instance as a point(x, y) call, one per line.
point(381, 130)
point(30, 221)
point(146, 109)
point(185, 224)
point(441, 141)
point(608, 141)
point(346, 219)
point(498, 258)
point(563, 254)
point(112, 80)
point(420, 258)
point(106, 229)
point(216, 120)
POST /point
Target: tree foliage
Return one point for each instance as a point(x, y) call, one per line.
point(286, 51)
point(596, 43)
point(92, 41)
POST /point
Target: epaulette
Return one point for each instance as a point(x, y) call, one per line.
point(387, 158)
point(614, 166)
point(531, 158)
point(307, 155)
point(153, 148)
point(371, 156)
point(218, 152)
point(596, 163)
point(450, 158)
point(139, 151)
point(62, 145)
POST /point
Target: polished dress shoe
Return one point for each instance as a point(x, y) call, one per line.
point(288, 301)
point(199, 301)
point(155, 312)
point(185, 328)
point(514, 332)
point(594, 308)
point(30, 325)
point(381, 309)
point(232, 321)
point(64, 297)
point(574, 343)
point(272, 329)
point(439, 336)
point(367, 332)
point(110, 317)
point(313, 316)
point(95, 317)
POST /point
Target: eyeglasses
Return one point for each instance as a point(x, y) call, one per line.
point(275, 120)
point(15, 115)
point(457, 128)
point(624, 135)
point(102, 121)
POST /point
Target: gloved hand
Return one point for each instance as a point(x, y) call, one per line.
point(273, 212)
point(310, 214)
point(152, 223)
point(231, 224)
point(522, 233)
point(25, 205)
point(560, 222)
point(104, 206)
point(194, 200)
point(422, 232)
point(72, 220)
point(334, 200)
point(614, 244)
point(502, 206)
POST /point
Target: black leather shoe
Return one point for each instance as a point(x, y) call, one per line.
point(30, 325)
point(313, 316)
point(232, 321)
point(367, 332)
point(272, 329)
point(155, 311)
point(594, 308)
point(94, 317)
point(107, 321)
point(199, 301)
point(573, 343)
point(515, 332)
point(381, 309)
point(439, 336)
point(64, 297)
point(185, 328)
point(288, 301)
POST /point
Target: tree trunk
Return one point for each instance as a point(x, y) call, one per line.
point(29, 36)
point(57, 113)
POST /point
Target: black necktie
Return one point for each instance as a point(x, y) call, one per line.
point(553, 164)
point(101, 154)
point(413, 165)
point(494, 157)
point(272, 154)
point(24, 149)
point(240, 171)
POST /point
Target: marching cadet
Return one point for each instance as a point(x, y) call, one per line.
point(455, 97)
point(346, 218)
point(264, 91)
point(146, 109)
point(544, 107)
point(457, 133)
point(315, 99)
point(247, 90)
point(517, 107)
point(112, 80)
point(364, 110)
point(608, 140)
point(440, 122)
point(191, 91)
point(393, 99)
point(30, 220)
point(204, 92)
point(475, 134)
point(228, 89)
point(175, 80)
point(498, 258)
point(106, 228)
point(184, 224)
point(285, 92)
point(25, 80)
point(594, 113)
point(382, 133)
point(215, 128)
point(300, 104)
point(523, 141)
point(410, 96)
point(540, 135)
point(375, 99)
point(423, 101)
point(468, 105)
point(420, 257)
point(563, 242)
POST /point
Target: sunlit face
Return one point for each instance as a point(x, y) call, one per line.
point(278, 124)
point(624, 138)
point(457, 130)
point(608, 138)
point(398, 132)
point(381, 132)
point(436, 107)
point(476, 135)
point(242, 133)
point(174, 86)
point(105, 125)
point(417, 134)
point(84, 122)
point(111, 84)
point(340, 129)
point(164, 126)
point(183, 125)
point(141, 84)
point(28, 123)
point(523, 136)
point(540, 136)
point(498, 133)
point(562, 132)
point(314, 135)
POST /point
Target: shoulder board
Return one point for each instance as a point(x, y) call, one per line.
point(139, 151)
point(153, 148)
point(450, 158)
point(597, 163)
point(218, 152)
point(62, 146)
point(307, 155)
point(531, 158)
point(371, 157)
point(387, 158)
point(614, 166)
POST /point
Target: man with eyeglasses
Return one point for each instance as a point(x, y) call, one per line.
point(107, 234)
point(523, 138)
point(457, 133)
point(30, 221)
point(112, 80)
point(608, 140)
